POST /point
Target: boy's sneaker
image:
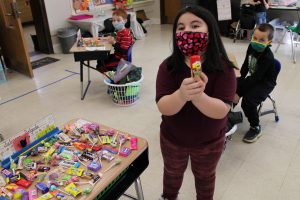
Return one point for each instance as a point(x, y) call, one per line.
point(233, 119)
point(253, 134)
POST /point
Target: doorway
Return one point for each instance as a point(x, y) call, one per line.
point(12, 41)
point(35, 25)
point(28, 26)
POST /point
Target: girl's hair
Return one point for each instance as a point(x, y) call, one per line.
point(215, 51)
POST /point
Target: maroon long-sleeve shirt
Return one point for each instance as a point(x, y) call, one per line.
point(189, 127)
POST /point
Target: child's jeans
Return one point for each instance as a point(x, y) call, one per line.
point(261, 17)
point(204, 161)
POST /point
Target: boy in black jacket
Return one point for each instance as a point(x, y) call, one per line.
point(258, 78)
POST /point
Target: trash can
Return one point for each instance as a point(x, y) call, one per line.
point(67, 37)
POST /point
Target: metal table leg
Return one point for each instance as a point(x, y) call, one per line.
point(83, 93)
point(139, 189)
point(279, 43)
point(81, 79)
point(89, 72)
point(293, 50)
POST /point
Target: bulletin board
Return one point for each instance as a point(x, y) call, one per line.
point(83, 6)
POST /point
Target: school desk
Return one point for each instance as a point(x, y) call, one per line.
point(116, 181)
point(84, 56)
point(113, 183)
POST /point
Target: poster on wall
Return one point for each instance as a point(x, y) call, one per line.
point(224, 10)
point(79, 6)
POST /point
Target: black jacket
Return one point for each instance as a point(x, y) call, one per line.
point(265, 73)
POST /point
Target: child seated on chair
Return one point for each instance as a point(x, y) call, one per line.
point(258, 78)
point(121, 43)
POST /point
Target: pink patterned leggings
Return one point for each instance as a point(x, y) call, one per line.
point(204, 161)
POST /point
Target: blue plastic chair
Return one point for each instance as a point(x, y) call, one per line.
point(274, 110)
point(129, 54)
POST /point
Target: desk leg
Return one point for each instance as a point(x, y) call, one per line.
point(83, 93)
point(81, 79)
point(138, 189)
point(89, 73)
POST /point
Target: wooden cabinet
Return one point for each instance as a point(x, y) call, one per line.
point(25, 10)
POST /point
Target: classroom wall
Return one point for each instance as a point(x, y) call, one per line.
point(59, 10)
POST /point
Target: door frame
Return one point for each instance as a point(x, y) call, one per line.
point(40, 19)
point(162, 12)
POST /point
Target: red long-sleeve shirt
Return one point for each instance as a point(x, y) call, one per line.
point(123, 41)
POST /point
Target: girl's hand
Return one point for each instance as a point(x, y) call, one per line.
point(188, 88)
point(202, 80)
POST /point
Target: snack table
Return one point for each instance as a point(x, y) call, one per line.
point(116, 181)
point(108, 181)
point(84, 54)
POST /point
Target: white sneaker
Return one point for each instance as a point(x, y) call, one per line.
point(231, 131)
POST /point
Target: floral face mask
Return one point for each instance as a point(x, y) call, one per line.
point(191, 43)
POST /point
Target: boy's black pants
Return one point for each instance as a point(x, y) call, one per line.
point(251, 99)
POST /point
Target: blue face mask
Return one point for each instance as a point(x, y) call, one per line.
point(119, 25)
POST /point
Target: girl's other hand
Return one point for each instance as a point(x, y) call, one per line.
point(202, 80)
point(188, 88)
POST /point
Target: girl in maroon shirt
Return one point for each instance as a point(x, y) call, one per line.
point(194, 110)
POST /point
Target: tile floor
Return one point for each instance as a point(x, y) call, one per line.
point(265, 170)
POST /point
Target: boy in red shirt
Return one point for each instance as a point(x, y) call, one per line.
point(121, 43)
